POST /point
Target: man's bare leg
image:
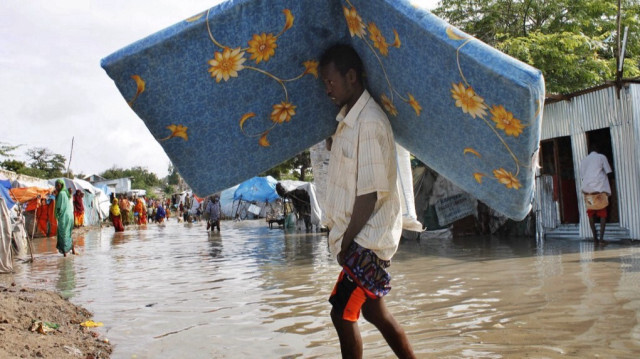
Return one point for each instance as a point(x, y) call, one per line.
point(592, 224)
point(349, 335)
point(375, 312)
point(603, 224)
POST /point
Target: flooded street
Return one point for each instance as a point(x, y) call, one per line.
point(175, 291)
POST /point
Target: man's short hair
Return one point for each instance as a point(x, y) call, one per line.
point(344, 57)
point(594, 147)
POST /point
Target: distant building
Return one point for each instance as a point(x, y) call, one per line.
point(611, 118)
point(94, 178)
point(117, 186)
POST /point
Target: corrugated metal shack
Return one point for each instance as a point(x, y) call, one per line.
point(609, 116)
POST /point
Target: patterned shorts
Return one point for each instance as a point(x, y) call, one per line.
point(363, 276)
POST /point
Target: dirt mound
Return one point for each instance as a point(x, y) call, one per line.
point(25, 314)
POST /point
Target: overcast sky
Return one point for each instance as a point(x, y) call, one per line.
point(52, 88)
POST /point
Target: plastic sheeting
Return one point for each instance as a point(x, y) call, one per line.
point(4, 192)
point(257, 189)
point(6, 264)
point(316, 210)
point(405, 184)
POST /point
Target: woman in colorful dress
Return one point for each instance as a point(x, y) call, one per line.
point(78, 208)
point(64, 216)
point(114, 213)
point(141, 210)
point(160, 213)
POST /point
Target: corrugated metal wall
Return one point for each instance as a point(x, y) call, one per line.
point(544, 205)
point(596, 110)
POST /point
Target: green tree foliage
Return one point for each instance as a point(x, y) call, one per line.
point(297, 167)
point(7, 149)
point(168, 190)
point(13, 165)
point(174, 177)
point(141, 178)
point(573, 43)
point(44, 163)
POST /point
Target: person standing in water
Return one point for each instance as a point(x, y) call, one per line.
point(64, 216)
point(363, 206)
point(594, 172)
point(78, 208)
point(116, 216)
point(213, 210)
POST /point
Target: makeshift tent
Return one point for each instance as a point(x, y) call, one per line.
point(257, 189)
point(195, 205)
point(38, 208)
point(5, 186)
point(310, 188)
point(96, 202)
point(253, 195)
point(193, 208)
point(227, 202)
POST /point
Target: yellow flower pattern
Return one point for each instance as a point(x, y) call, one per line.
point(264, 141)
point(354, 22)
point(311, 67)
point(471, 103)
point(414, 104)
point(229, 61)
point(177, 131)
point(468, 100)
point(504, 121)
point(396, 41)
point(140, 86)
point(262, 47)
point(282, 112)
point(288, 22)
point(226, 64)
point(388, 105)
point(507, 178)
point(376, 40)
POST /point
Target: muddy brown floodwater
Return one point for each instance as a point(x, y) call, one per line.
point(175, 291)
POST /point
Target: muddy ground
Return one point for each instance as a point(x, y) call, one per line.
point(23, 309)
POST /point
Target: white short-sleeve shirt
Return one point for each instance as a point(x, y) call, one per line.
point(363, 160)
point(593, 171)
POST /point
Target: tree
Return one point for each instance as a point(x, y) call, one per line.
point(174, 177)
point(6, 149)
point(45, 163)
point(13, 165)
point(297, 167)
point(141, 178)
point(573, 43)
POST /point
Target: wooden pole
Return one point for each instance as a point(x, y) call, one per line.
point(70, 155)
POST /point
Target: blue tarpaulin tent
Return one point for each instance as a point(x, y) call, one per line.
point(257, 189)
point(5, 186)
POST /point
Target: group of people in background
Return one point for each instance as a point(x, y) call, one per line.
point(127, 210)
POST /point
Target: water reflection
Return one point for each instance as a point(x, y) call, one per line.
point(252, 292)
point(66, 281)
